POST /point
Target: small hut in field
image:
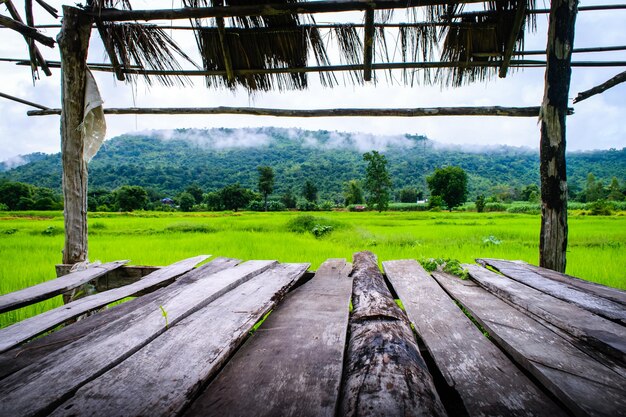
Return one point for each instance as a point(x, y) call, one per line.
point(278, 45)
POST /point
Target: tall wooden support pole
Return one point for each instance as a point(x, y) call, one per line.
point(73, 43)
point(553, 240)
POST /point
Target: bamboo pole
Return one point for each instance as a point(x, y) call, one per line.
point(73, 45)
point(251, 111)
point(618, 79)
point(553, 236)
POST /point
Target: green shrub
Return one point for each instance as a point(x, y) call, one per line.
point(187, 227)
point(320, 230)
point(4, 207)
point(407, 207)
point(527, 208)
point(318, 226)
point(305, 205)
point(435, 202)
point(326, 206)
point(275, 206)
point(600, 208)
point(52, 231)
point(491, 207)
point(256, 205)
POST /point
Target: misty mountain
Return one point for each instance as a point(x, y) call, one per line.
point(169, 160)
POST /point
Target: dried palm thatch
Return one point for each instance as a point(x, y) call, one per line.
point(147, 47)
point(263, 48)
point(109, 4)
point(481, 38)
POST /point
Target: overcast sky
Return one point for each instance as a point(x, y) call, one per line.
point(597, 124)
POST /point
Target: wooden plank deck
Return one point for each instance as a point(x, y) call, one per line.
point(55, 287)
point(184, 349)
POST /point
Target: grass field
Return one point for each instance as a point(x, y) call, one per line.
point(31, 242)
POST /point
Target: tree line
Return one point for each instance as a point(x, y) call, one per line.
point(447, 188)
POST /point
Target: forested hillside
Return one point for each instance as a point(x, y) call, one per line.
point(169, 161)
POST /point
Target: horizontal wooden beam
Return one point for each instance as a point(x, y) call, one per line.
point(618, 79)
point(252, 111)
point(597, 8)
point(310, 7)
point(339, 68)
point(26, 31)
point(28, 103)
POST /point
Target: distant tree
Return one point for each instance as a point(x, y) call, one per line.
point(266, 182)
point(615, 193)
point(196, 192)
point(288, 199)
point(309, 191)
point(186, 201)
point(131, 197)
point(450, 183)
point(530, 193)
point(213, 201)
point(353, 193)
point(594, 190)
point(377, 180)
point(234, 197)
point(408, 195)
point(480, 203)
point(12, 192)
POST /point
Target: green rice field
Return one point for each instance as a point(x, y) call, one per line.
point(31, 242)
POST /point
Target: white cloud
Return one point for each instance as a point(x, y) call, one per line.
point(596, 124)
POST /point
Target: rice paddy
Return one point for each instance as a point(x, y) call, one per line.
point(31, 242)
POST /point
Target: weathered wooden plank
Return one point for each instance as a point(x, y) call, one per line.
point(584, 385)
point(486, 380)
point(603, 291)
point(292, 365)
point(562, 291)
point(119, 277)
point(137, 386)
point(603, 334)
point(54, 287)
point(31, 327)
point(384, 373)
point(45, 384)
point(21, 356)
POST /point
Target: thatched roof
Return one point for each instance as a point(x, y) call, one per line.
point(266, 50)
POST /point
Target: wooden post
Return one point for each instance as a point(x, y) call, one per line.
point(553, 239)
point(73, 44)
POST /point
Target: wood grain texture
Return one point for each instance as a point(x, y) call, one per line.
point(553, 119)
point(292, 365)
point(54, 287)
point(22, 331)
point(598, 332)
point(591, 302)
point(164, 376)
point(345, 112)
point(486, 380)
point(21, 356)
point(584, 385)
point(45, 384)
point(612, 294)
point(73, 47)
point(384, 373)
